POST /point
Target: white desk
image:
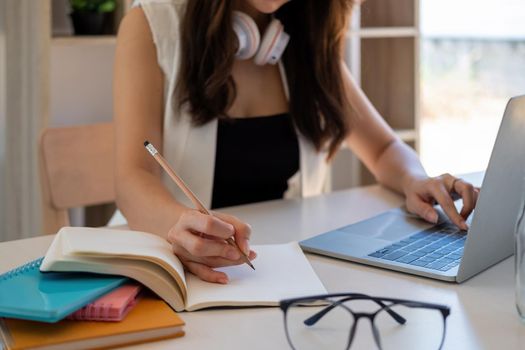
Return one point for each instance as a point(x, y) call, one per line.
point(483, 315)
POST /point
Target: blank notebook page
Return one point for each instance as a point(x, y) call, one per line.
point(281, 271)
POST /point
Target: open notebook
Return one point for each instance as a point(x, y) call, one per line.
point(282, 271)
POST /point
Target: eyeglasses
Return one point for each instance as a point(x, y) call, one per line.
point(330, 322)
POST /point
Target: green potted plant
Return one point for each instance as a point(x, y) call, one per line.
point(92, 17)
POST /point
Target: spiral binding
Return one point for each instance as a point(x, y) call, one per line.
point(35, 264)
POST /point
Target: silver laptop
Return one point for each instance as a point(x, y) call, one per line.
point(398, 241)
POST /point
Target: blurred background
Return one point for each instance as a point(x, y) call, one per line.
point(440, 72)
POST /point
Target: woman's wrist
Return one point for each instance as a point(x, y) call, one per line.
point(408, 180)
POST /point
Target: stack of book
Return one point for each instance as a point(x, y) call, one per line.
point(49, 311)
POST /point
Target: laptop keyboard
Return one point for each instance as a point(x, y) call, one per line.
point(438, 248)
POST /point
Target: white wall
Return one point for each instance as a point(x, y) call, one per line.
point(81, 82)
point(81, 74)
point(2, 120)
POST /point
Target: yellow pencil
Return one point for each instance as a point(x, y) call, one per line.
point(192, 197)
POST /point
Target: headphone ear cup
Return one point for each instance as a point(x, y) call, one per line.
point(273, 43)
point(248, 36)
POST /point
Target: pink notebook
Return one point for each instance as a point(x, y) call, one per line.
point(111, 307)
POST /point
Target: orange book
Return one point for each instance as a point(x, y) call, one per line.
point(151, 319)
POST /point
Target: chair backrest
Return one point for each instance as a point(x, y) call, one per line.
point(76, 169)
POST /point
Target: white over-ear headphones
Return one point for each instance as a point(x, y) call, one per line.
point(267, 50)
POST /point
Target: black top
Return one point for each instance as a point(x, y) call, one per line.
point(254, 159)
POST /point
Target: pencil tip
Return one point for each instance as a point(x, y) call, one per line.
point(146, 143)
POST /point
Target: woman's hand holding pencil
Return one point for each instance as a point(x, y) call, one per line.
point(199, 240)
point(203, 240)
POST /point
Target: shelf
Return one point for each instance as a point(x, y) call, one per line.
point(389, 13)
point(61, 23)
point(385, 32)
point(382, 54)
point(388, 78)
point(84, 40)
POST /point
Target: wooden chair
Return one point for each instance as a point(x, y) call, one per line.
point(76, 170)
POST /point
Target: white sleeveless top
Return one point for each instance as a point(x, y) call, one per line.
point(191, 149)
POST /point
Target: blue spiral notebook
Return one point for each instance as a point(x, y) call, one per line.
point(29, 294)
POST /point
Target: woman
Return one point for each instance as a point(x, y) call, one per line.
point(238, 130)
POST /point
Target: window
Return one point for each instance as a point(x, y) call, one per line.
point(472, 62)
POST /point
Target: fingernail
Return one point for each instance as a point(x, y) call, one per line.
point(432, 217)
point(232, 255)
point(231, 228)
point(464, 225)
point(223, 280)
point(246, 249)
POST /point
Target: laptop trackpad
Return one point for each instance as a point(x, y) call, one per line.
point(366, 236)
point(390, 226)
point(343, 243)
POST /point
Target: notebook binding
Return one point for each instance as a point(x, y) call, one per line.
point(35, 264)
point(93, 311)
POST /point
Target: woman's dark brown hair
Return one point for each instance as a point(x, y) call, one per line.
point(312, 60)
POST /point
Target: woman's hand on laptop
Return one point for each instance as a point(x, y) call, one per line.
point(199, 240)
point(422, 193)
